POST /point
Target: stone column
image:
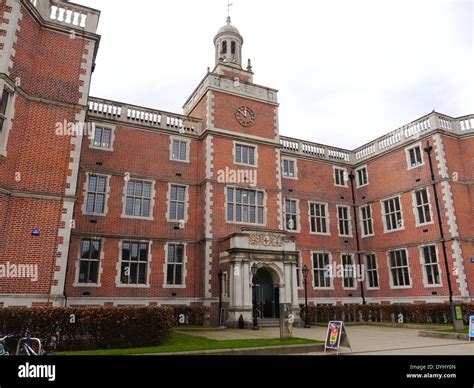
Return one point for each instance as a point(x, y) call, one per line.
point(240, 291)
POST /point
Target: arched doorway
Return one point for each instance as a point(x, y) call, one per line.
point(266, 295)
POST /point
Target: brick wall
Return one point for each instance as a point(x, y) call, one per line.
point(49, 71)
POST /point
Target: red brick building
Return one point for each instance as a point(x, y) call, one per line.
point(214, 192)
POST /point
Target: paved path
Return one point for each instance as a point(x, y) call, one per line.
point(365, 340)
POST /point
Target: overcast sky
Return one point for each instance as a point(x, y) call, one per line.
point(347, 71)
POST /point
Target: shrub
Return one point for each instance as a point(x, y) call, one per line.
point(90, 328)
point(193, 315)
point(412, 313)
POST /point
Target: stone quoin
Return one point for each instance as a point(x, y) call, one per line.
point(138, 206)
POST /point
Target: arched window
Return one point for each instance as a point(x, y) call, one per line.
point(224, 47)
point(232, 48)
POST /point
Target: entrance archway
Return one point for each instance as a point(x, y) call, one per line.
point(266, 295)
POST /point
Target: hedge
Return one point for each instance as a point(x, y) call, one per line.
point(89, 328)
point(412, 313)
point(192, 315)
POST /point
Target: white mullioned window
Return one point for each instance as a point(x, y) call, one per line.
point(392, 214)
point(399, 268)
point(431, 265)
point(414, 156)
point(5, 97)
point(245, 206)
point(138, 198)
point(367, 221)
point(291, 214)
point(245, 154)
point(349, 279)
point(341, 177)
point(177, 203)
point(289, 168)
point(322, 274)
point(175, 265)
point(180, 149)
point(96, 194)
point(372, 271)
point(362, 176)
point(7, 108)
point(134, 263)
point(102, 137)
point(89, 262)
point(421, 203)
point(344, 221)
point(319, 218)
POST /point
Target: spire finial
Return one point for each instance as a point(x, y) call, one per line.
point(229, 6)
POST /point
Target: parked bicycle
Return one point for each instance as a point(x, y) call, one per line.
point(3, 350)
point(26, 346)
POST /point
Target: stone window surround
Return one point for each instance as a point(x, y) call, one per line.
point(407, 155)
point(352, 256)
point(376, 270)
point(9, 113)
point(384, 221)
point(152, 199)
point(168, 203)
point(118, 267)
point(234, 154)
point(240, 222)
point(185, 266)
point(328, 218)
point(415, 207)
point(349, 220)
point(295, 161)
point(78, 263)
point(346, 174)
point(331, 280)
point(298, 215)
point(356, 173)
point(188, 148)
point(361, 221)
point(86, 190)
point(422, 262)
point(389, 267)
point(112, 137)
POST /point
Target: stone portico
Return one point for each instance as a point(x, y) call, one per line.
point(275, 256)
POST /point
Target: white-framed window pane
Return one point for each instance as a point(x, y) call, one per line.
point(245, 206)
point(89, 262)
point(393, 214)
point(291, 214)
point(175, 264)
point(399, 268)
point(348, 271)
point(134, 265)
point(321, 272)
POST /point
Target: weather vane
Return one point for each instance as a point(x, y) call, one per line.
point(229, 6)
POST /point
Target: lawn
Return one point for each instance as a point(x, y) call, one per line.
point(181, 342)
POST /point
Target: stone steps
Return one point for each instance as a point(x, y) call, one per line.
point(268, 322)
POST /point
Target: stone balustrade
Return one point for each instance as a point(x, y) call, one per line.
point(67, 14)
point(130, 114)
point(405, 134)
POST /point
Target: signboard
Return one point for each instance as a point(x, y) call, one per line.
point(222, 317)
point(336, 337)
point(471, 327)
point(458, 312)
point(287, 319)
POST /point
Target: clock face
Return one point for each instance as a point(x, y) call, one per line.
point(245, 116)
